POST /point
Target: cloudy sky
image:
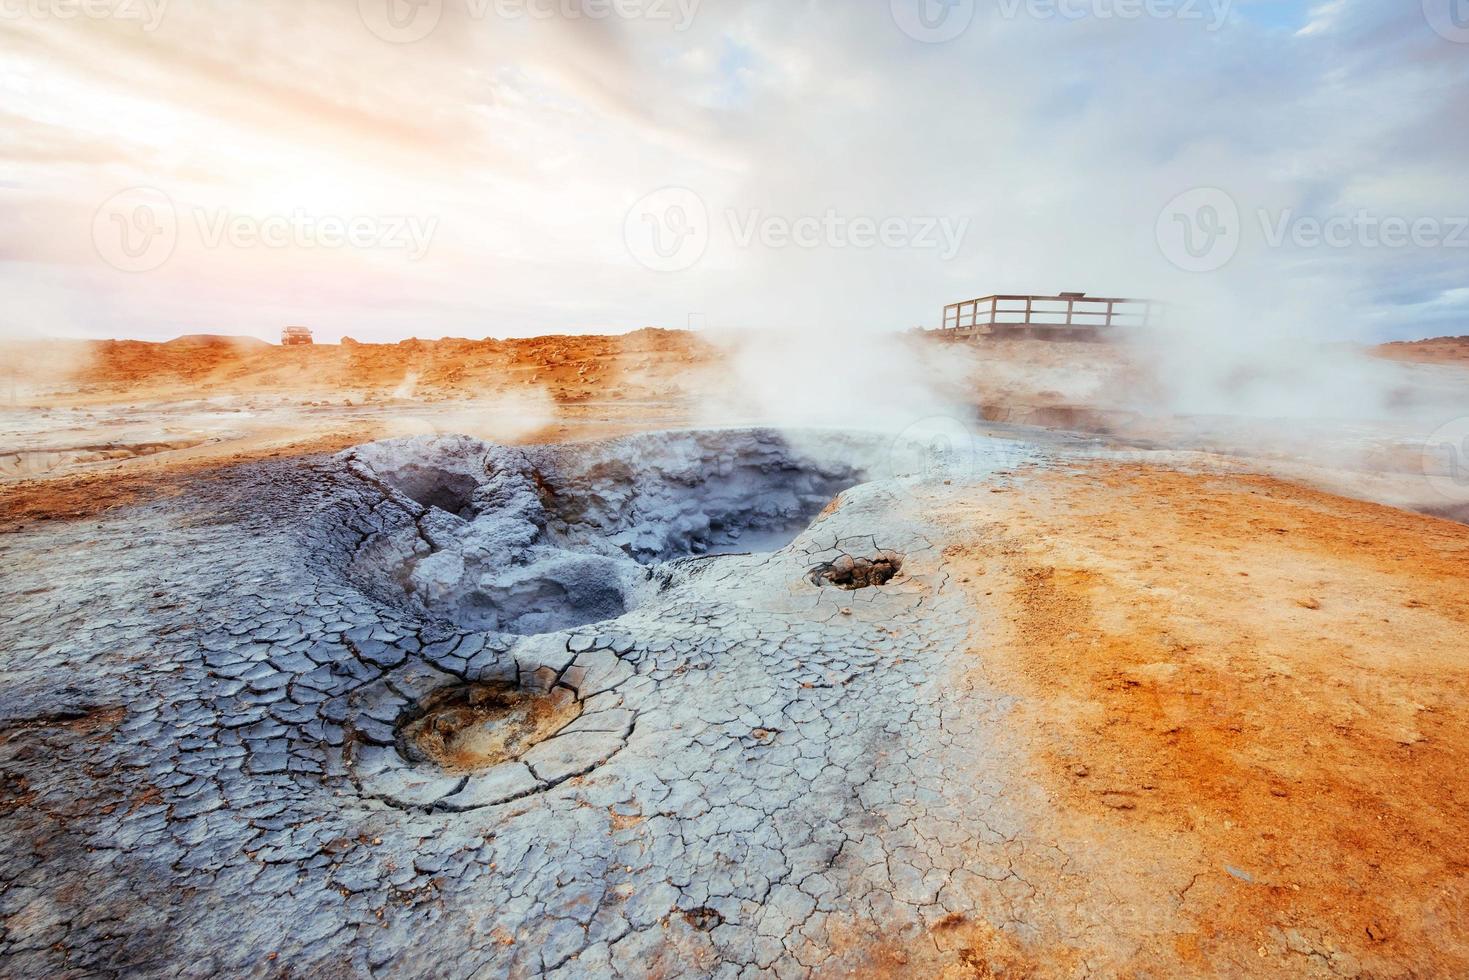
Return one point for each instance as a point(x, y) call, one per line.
point(394, 168)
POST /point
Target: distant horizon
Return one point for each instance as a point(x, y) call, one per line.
point(337, 340)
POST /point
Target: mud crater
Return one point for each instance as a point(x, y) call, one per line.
point(439, 489)
point(542, 539)
point(474, 727)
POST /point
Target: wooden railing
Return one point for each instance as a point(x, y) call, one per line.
point(991, 315)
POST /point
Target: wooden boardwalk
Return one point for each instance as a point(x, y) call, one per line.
point(1066, 315)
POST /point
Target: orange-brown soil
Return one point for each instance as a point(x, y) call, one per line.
point(1438, 350)
point(88, 494)
point(112, 421)
point(629, 366)
point(1242, 708)
point(1248, 687)
point(322, 398)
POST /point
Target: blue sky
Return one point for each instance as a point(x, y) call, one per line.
point(1282, 15)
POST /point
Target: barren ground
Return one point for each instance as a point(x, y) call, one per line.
point(96, 424)
point(1256, 687)
point(93, 423)
point(1222, 679)
point(1438, 350)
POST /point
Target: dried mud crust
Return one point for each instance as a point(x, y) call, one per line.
point(1054, 745)
point(762, 777)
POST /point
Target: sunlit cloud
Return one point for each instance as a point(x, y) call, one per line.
point(525, 141)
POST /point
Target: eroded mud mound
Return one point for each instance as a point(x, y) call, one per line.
point(473, 727)
point(536, 540)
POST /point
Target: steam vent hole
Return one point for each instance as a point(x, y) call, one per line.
point(538, 539)
point(474, 727)
point(853, 573)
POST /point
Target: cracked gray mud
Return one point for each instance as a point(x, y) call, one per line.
point(436, 707)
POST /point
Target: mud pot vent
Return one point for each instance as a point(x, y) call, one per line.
point(535, 540)
point(475, 727)
point(853, 573)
